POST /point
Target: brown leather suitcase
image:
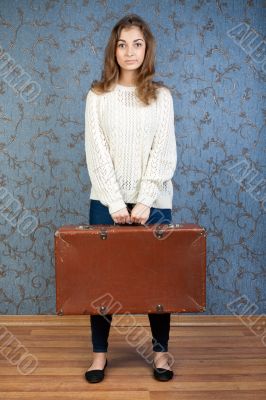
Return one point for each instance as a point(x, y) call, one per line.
point(137, 269)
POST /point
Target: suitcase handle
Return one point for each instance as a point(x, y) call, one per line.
point(171, 225)
point(129, 224)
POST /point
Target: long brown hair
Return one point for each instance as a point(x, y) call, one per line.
point(146, 88)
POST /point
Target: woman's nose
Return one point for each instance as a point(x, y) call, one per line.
point(130, 52)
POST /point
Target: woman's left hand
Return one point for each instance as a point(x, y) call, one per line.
point(140, 213)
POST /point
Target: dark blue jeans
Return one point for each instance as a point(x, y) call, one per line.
point(159, 323)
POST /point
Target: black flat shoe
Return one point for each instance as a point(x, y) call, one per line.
point(162, 374)
point(95, 375)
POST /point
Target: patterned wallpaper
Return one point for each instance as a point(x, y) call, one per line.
point(211, 53)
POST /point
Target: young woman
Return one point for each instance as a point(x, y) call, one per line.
point(131, 156)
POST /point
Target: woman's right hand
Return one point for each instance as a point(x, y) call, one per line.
point(121, 216)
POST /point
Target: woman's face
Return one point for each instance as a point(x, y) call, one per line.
point(130, 47)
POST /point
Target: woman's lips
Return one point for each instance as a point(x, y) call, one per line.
point(131, 61)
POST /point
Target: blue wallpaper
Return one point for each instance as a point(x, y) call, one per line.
point(212, 56)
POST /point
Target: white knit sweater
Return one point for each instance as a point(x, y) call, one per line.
point(130, 148)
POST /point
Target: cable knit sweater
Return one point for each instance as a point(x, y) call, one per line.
point(130, 148)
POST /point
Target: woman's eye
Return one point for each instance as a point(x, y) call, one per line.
point(122, 44)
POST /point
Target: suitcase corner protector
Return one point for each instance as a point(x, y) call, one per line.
point(204, 232)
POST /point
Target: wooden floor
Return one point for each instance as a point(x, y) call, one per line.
point(216, 357)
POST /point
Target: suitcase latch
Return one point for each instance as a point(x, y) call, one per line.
point(103, 235)
point(159, 233)
point(103, 309)
point(159, 307)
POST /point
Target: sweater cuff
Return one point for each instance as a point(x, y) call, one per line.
point(146, 200)
point(116, 206)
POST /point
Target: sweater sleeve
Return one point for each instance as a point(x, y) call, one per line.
point(100, 166)
point(162, 159)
